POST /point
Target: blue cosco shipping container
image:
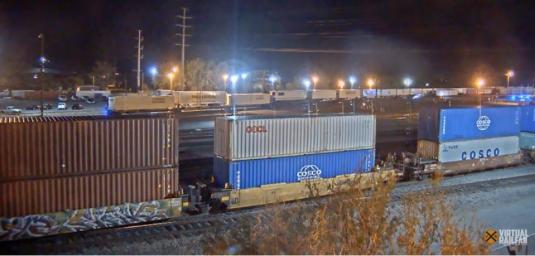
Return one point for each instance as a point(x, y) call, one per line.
point(243, 174)
point(453, 124)
point(527, 118)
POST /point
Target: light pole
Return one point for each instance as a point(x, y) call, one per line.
point(407, 81)
point(480, 82)
point(306, 83)
point(170, 76)
point(225, 78)
point(508, 75)
point(153, 72)
point(352, 81)
point(341, 85)
point(272, 80)
point(371, 83)
point(315, 80)
point(233, 81)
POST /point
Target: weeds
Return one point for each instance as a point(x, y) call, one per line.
point(358, 221)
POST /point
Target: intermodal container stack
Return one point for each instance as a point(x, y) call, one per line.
point(527, 127)
point(52, 164)
point(470, 133)
point(256, 151)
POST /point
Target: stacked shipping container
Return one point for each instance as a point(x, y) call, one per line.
point(457, 134)
point(527, 127)
point(54, 164)
point(250, 152)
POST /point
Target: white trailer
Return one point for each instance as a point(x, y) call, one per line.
point(286, 95)
point(248, 99)
point(348, 94)
point(323, 94)
point(140, 103)
point(187, 99)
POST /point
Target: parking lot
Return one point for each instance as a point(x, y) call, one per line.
point(97, 108)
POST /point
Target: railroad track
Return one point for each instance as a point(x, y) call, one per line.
point(189, 226)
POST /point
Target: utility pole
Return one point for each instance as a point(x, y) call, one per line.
point(183, 45)
point(139, 57)
point(42, 60)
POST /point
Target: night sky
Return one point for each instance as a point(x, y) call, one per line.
point(438, 41)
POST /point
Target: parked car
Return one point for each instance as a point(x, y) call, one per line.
point(34, 107)
point(62, 98)
point(77, 106)
point(90, 100)
point(47, 106)
point(74, 98)
point(11, 110)
point(62, 106)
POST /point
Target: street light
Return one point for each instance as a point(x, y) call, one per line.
point(509, 74)
point(480, 82)
point(306, 83)
point(315, 80)
point(175, 69)
point(244, 76)
point(234, 79)
point(170, 76)
point(225, 79)
point(352, 81)
point(407, 81)
point(153, 71)
point(272, 79)
point(341, 83)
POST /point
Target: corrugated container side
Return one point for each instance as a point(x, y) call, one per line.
point(38, 196)
point(527, 118)
point(221, 137)
point(257, 172)
point(61, 148)
point(428, 124)
point(348, 93)
point(323, 94)
point(271, 137)
point(477, 149)
point(478, 123)
point(427, 149)
point(452, 124)
point(527, 140)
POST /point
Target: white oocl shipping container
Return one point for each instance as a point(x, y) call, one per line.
point(247, 99)
point(323, 94)
point(140, 103)
point(454, 151)
point(348, 94)
point(199, 98)
point(264, 137)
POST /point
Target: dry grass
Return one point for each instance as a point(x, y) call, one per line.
point(357, 221)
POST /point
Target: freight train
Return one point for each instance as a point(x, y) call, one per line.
point(125, 168)
point(199, 99)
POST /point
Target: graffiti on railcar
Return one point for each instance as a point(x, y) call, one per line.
point(86, 219)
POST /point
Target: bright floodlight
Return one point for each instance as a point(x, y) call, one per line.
point(225, 77)
point(42, 59)
point(234, 79)
point(170, 75)
point(352, 80)
point(370, 82)
point(315, 79)
point(175, 69)
point(407, 81)
point(480, 82)
point(306, 83)
point(510, 73)
point(341, 84)
point(272, 79)
point(244, 75)
point(153, 71)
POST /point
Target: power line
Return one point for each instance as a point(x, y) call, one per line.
point(183, 17)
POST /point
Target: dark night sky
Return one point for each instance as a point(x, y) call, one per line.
point(429, 40)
